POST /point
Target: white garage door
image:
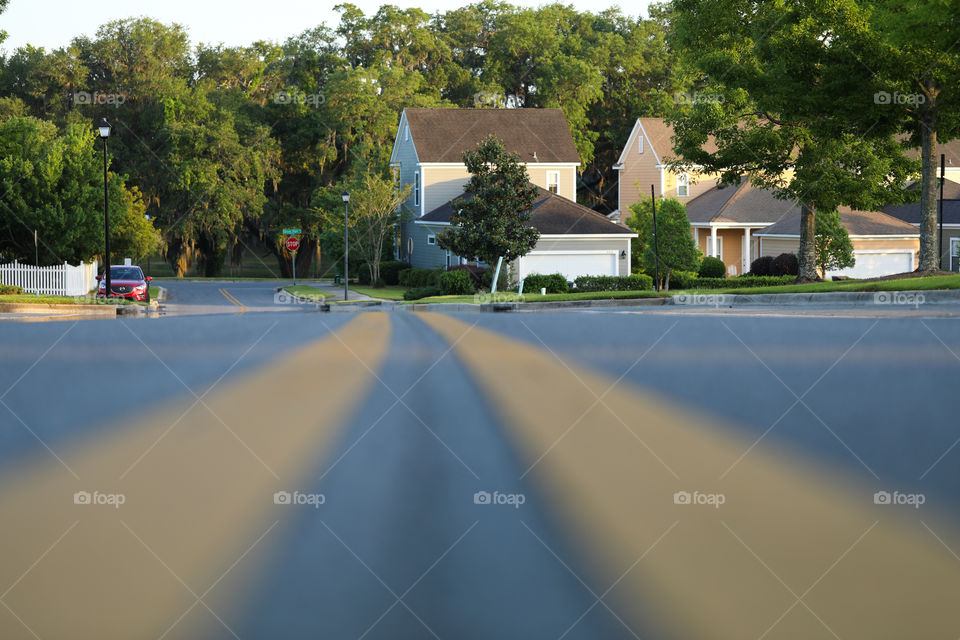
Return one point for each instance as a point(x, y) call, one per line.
point(873, 264)
point(570, 263)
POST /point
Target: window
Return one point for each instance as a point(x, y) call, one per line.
point(683, 185)
point(640, 144)
point(719, 252)
point(431, 238)
point(954, 254)
point(416, 188)
point(409, 246)
point(448, 259)
point(553, 181)
point(406, 132)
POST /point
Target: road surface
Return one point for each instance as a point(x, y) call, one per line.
point(274, 472)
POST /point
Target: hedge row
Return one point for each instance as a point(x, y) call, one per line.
point(9, 290)
point(784, 264)
point(457, 283)
point(553, 283)
point(636, 282)
point(740, 282)
point(418, 278)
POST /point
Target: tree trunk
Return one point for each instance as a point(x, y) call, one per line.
point(929, 251)
point(807, 254)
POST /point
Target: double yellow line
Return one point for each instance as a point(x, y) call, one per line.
point(233, 300)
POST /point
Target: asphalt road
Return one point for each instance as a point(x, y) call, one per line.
point(267, 471)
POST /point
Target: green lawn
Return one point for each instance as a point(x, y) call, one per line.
point(927, 283)
point(384, 293)
point(307, 292)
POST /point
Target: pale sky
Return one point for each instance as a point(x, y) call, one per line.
point(53, 23)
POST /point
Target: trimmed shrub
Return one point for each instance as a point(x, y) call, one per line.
point(712, 268)
point(761, 266)
point(784, 264)
point(554, 283)
point(636, 282)
point(390, 271)
point(473, 271)
point(741, 282)
point(682, 279)
point(486, 279)
point(10, 290)
point(456, 283)
point(418, 278)
point(363, 273)
point(422, 292)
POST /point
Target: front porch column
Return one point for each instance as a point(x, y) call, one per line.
point(746, 251)
point(713, 242)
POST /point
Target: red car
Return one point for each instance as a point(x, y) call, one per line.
point(126, 282)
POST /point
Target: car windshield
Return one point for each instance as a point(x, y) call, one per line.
point(125, 273)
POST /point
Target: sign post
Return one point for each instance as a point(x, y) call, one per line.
point(293, 243)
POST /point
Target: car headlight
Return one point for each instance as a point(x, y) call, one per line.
point(141, 287)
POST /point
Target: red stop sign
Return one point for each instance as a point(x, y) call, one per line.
point(293, 243)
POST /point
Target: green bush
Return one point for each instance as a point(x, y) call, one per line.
point(363, 273)
point(762, 266)
point(486, 279)
point(10, 290)
point(637, 282)
point(785, 264)
point(553, 283)
point(390, 271)
point(682, 279)
point(456, 283)
point(741, 282)
point(418, 278)
point(712, 268)
point(422, 292)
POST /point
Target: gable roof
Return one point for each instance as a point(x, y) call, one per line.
point(857, 223)
point(659, 136)
point(739, 204)
point(950, 150)
point(442, 135)
point(910, 213)
point(552, 215)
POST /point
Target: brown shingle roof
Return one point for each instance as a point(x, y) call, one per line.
point(911, 212)
point(744, 204)
point(442, 135)
point(552, 215)
point(858, 223)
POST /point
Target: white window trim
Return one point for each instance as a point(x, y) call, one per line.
point(710, 247)
point(431, 239)
point(640, 143)
point(555, 175)
point(416, 189)
point(954, 251)
point(683, 180)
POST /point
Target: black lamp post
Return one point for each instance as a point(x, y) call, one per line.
point(346, 244)
point(104, 129)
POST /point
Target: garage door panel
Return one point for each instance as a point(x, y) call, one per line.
point(873, 264)
point(571, 265)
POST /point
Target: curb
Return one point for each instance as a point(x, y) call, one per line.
point(859, 298)
point(91, 310)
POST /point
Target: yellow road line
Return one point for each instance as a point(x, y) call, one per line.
point(229, 296)
point(197, 486)
point(795, 551)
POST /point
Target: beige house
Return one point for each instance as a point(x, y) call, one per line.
point(910, 213)
point(882, 244)
point(428, 155)
point(643, 162)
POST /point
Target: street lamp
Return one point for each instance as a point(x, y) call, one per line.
point(146, 217)
point(346, 245)
point(104, 129)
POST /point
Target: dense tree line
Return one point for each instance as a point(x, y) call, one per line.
point(224, 146)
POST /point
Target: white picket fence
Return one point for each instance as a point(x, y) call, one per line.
point(59, 280)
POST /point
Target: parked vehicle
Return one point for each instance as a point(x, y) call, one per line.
point(126, 282)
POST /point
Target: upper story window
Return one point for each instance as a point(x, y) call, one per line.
point(406, 132)
point(683, 185)
point(553, 181)
point(640, 143)
point(416, 189)
point(431, 239)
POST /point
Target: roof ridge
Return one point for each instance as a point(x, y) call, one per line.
point(739, 191)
